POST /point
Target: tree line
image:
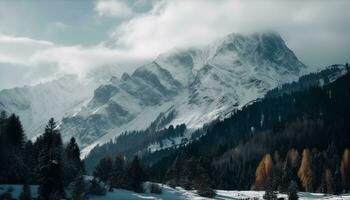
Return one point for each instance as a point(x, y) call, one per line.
point(47, 162)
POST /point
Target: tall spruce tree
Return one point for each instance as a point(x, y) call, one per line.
point(14, 132)
point(50, 163)
point(73, 165)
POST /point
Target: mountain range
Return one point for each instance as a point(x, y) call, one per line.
point(191, 86)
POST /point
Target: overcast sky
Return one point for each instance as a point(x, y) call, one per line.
point(41, 40)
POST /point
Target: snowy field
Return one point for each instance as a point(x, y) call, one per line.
point(181, 194)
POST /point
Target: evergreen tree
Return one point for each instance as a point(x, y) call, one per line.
point(14, 132)
point(293, 191)
point(136, 174)
point(78, 188)
point(26, 193)
point(103, 169)
point(118, 173)
point(73, 164)
point(50, 163)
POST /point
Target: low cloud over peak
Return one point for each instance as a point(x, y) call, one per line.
point(137, 31)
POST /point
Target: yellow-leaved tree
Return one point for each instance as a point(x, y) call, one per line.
point(263, 172)
point(305, 172)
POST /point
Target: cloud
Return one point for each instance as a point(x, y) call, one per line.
point(17, 50)
point(316, 31)
point(29, 61)
point(312, 29)
point(112, 8)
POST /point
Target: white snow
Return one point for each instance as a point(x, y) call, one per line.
point(215, 79)
point(179, 193)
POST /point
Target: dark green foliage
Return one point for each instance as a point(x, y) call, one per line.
point(103, 169)
point(292, 191)
point(73, 164)
point(12, 168)
point(15, 134)
point(26, 193)
point(136, 175)
point(140, 141)
point(97, 188)
point(317, 118)
point(118, 174)
point(45, 162)
point(50, 163)
point(78, 188)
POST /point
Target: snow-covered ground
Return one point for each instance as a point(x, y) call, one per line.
point(182, 194)
point(178, 193)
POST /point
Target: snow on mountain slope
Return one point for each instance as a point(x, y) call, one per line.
point(65, 96)
point(36, 104)
point(197, 84)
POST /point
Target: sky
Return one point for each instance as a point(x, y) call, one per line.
point(42, 40)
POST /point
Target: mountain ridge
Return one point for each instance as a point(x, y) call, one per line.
point(198, 84)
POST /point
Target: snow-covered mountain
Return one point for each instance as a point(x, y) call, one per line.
point(58, 98)
point(194, 85)
point(36, 104)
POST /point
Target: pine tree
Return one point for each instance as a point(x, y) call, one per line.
point(14, 132)
point(25, 194)
point(78, 188)
point(73, 164)
point(305, 172)
point(118, 173)
point(103, 169)
point(136, 174)
point(50, 163)
point(293, 191)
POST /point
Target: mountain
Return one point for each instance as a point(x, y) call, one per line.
point(64, 96)
point(154, 145)
point(194, 86)
point(315, 119)
point(36, 104)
